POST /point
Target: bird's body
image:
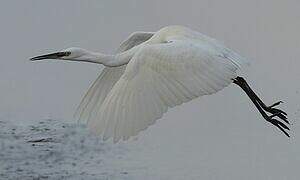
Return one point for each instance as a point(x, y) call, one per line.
point(150, 73)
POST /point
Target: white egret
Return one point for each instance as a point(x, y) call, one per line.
point(153, 71)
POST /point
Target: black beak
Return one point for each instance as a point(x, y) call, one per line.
point(56, 55)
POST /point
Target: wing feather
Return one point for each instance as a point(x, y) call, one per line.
point(134, 39)
point(158, 77)
point(93, 99)
point(96, 94)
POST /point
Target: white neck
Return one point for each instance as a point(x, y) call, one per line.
point(106, 59)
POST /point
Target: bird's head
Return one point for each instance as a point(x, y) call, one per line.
point(72, 53)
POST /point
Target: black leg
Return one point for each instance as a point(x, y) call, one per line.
point(276, 112)
point(262, 108)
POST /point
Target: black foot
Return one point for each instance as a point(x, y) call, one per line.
point(275, 122)
point(277, 112)
point(263, 109)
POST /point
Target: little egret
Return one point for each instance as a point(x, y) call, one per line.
point(153, 71)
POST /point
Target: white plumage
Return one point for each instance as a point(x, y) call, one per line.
point(154, 71)
point(96, 94)
point(173, 66)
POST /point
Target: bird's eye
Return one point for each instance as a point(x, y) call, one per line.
point(62, 54)
point(67, 53)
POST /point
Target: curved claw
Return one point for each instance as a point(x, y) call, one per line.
point(275, 104)
point(285, 120)
point(275, 110)
point(278, 124)
point(281, 116)
point(276, 115)
point(281, 124)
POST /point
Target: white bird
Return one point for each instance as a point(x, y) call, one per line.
point(154, 71)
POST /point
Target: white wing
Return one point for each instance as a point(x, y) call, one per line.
point(160, 76)
point(96, 94)
point(134, 39)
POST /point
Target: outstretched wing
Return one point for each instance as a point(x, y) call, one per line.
point(160, 76)
point(134, 39)
point(96, 94)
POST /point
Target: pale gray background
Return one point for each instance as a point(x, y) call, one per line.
point(214, 137)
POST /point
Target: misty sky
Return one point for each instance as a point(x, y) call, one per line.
point(228, 136)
